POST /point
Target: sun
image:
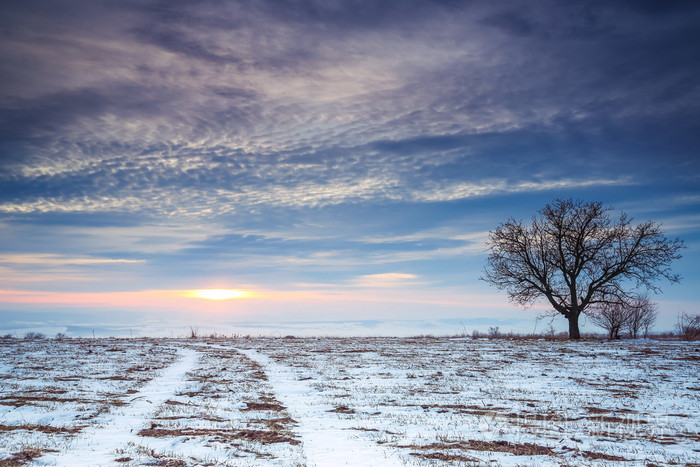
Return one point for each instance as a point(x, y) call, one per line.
point(218, 294)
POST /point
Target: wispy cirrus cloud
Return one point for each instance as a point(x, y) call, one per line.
point(207, 202)
point(53, 259)
point(387, 280)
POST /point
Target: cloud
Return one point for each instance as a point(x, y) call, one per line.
point(148, 101)
point(54, 260)
point(469, 190)
point(22, 269)
point(386, 280)
point(203, 201)
point(166, 73)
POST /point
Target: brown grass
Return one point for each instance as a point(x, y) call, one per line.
point(518, 449)
point(268, 406)
point(602, 456)
point(22, 457)
point(444, 457)
point(40, 428)
point(624, 421)
point(172, 402)
point(343, 409)
point(168, 463)
point(258, 375)
point(156, 432)
point(265, 437)
point(21, 400)
point(260, 436)
point(274, 424)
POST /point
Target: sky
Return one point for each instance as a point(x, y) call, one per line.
point(339, 164)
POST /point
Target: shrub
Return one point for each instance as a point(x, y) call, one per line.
point(34, 335)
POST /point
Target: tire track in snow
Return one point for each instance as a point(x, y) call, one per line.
point(325, 443)
point(96, 446)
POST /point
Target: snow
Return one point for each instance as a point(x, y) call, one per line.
point(349, 401)
point(98, 445)
point(327, 440)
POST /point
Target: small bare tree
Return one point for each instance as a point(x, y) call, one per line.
point(575, 256)
point(642, 316)
point(613, 317)
point(688, 326)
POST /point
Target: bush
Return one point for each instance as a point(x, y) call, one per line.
point(34, 335)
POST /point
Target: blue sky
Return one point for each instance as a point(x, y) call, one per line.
point(337, 161)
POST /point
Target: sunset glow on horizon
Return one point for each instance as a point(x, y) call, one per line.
point(220, 294)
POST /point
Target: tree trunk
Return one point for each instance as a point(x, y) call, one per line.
point(573, 326)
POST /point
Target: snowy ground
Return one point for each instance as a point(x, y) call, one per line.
point(343, 401)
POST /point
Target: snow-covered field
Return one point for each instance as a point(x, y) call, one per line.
point(348, 401)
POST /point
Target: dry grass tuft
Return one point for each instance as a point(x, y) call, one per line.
point(624, 421)
point(260, 436)
point(265, 437)
point(172, 402)
point(40, 428)
point(267, 406)
point(22, 457)
point(602, 456)
point(258, 375)
point(445, 457)
point(168, 463)
point(343, 409)
point(274, 424)
point(21, 400)
point(518, 449)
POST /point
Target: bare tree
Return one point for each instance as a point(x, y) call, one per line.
point(642, 315)
point(688, 326)
point(613, 317)
point(574, 256)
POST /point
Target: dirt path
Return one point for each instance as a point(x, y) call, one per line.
point(327, 440)
point(98, 445)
